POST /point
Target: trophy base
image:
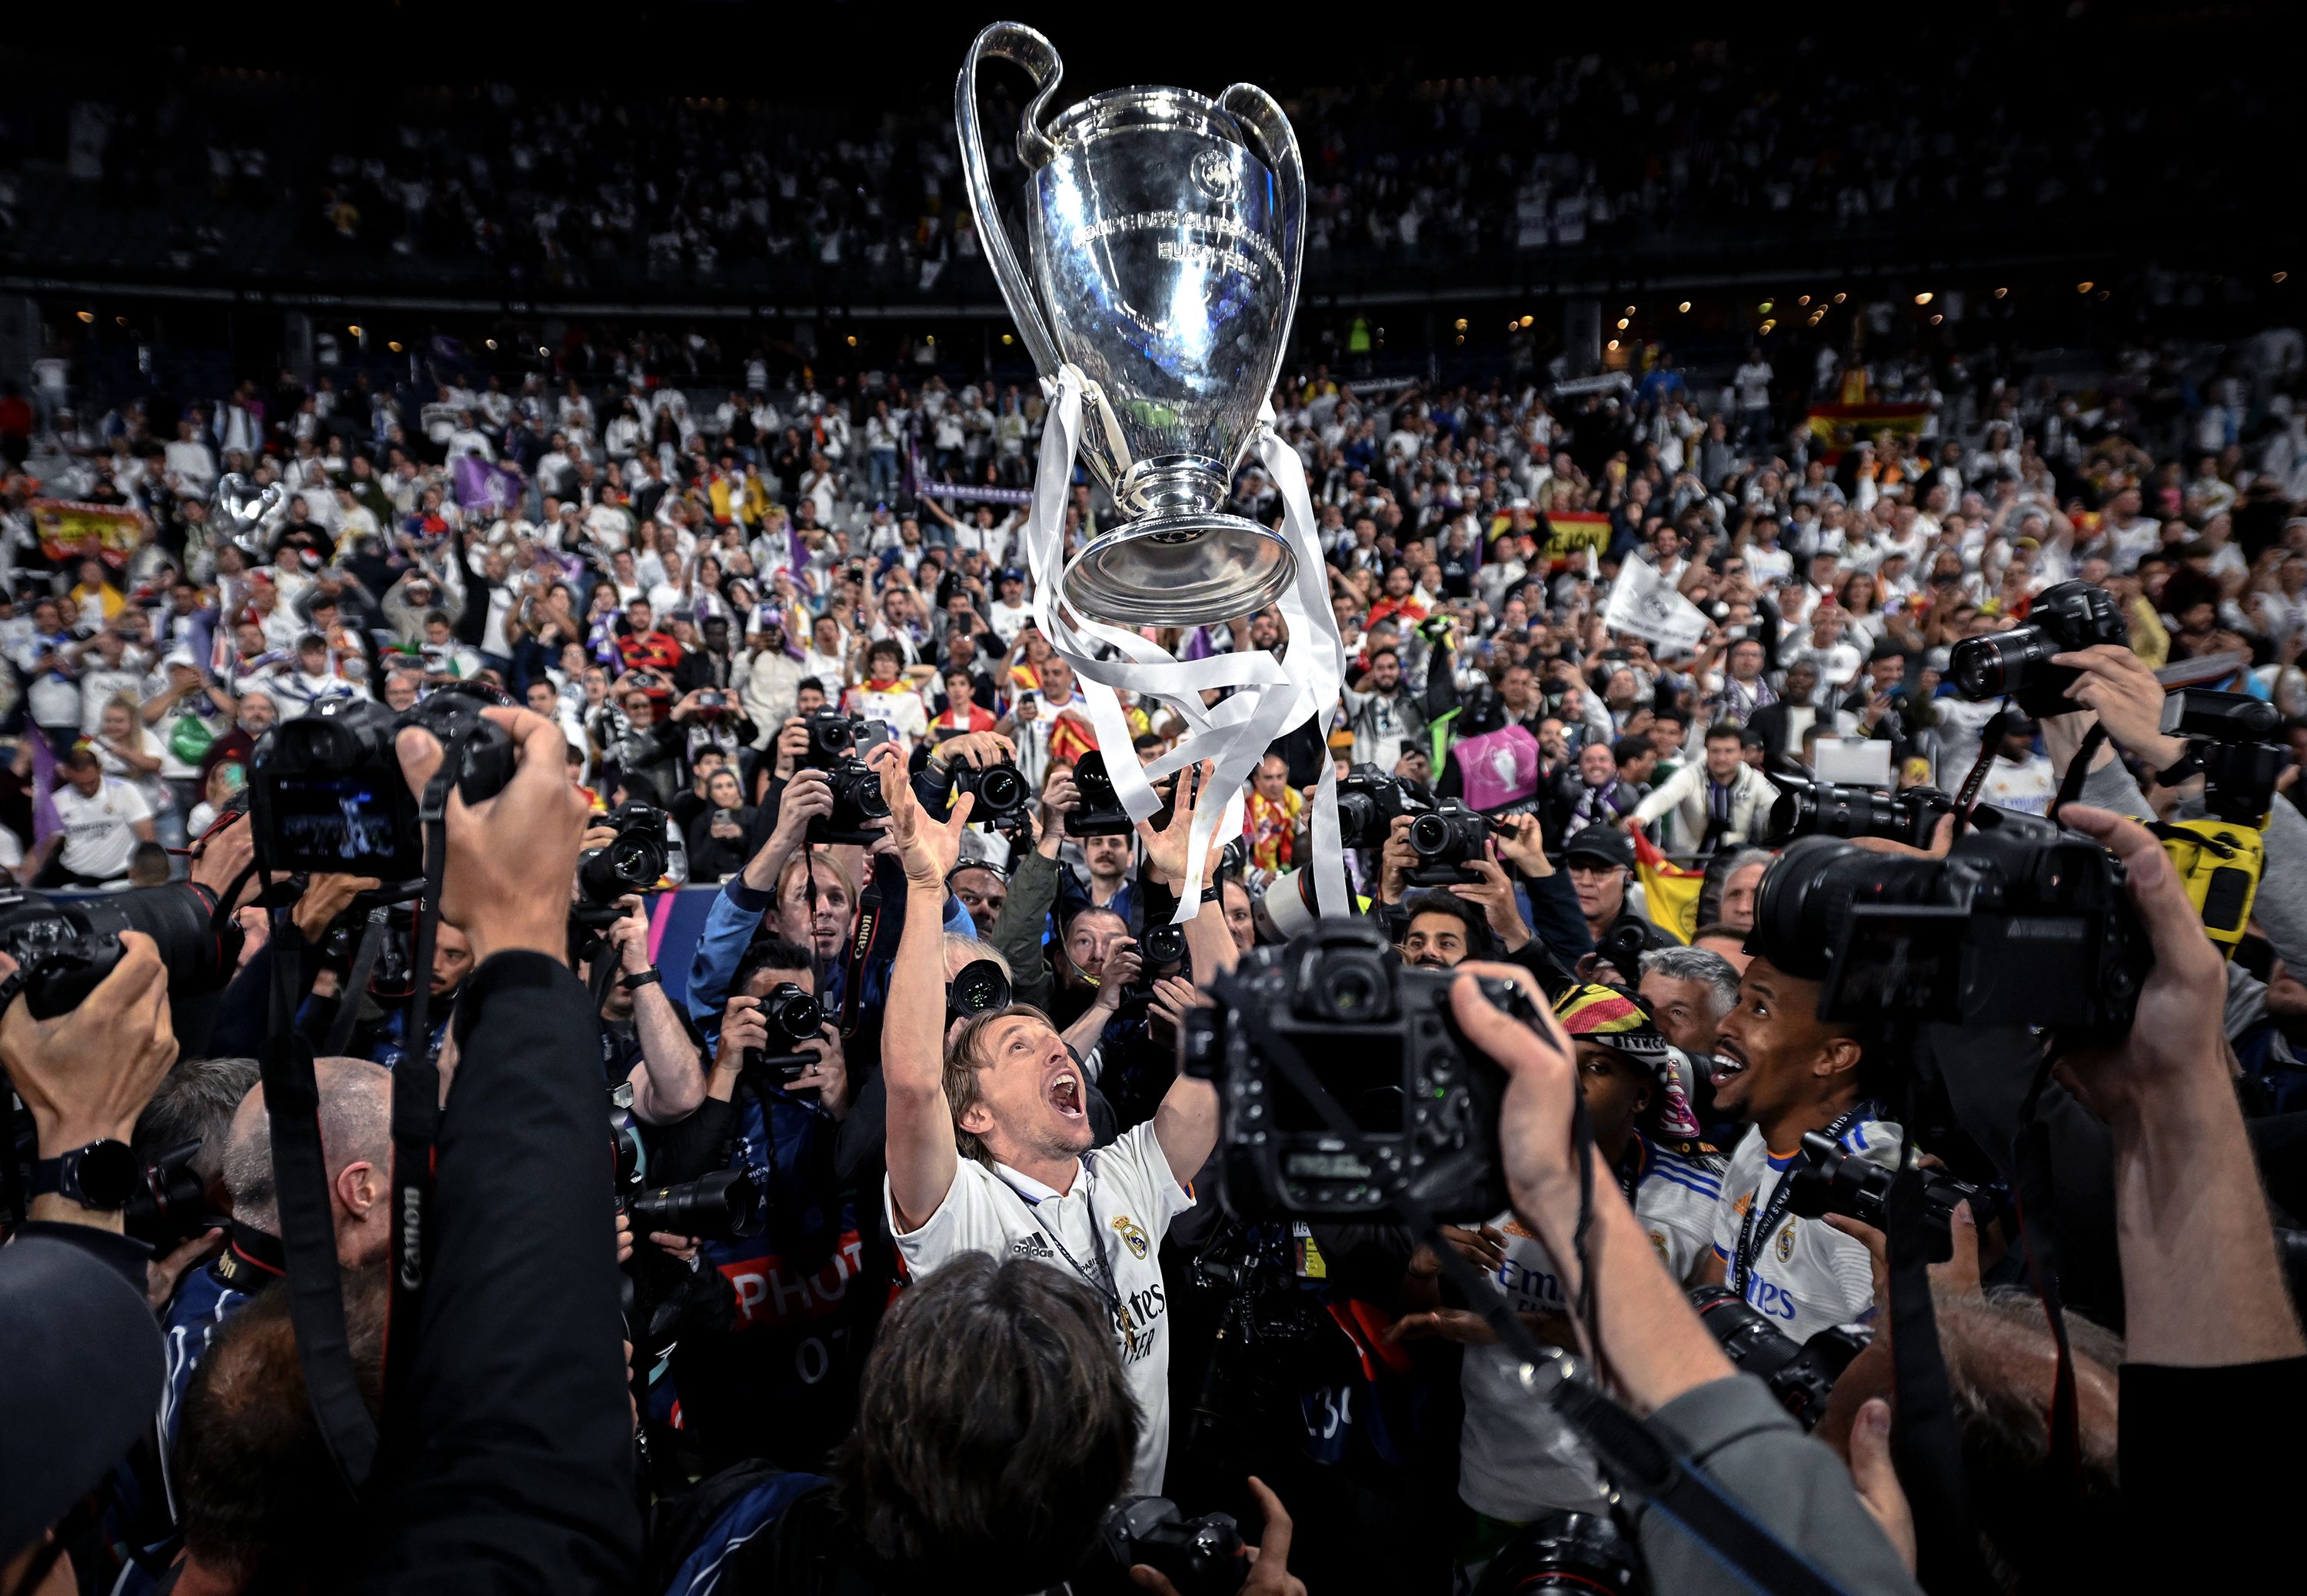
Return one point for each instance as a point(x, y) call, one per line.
point(1186, 569)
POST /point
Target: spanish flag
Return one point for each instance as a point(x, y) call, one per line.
point(1671, 890)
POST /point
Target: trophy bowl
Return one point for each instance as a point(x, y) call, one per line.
point(1166, 230)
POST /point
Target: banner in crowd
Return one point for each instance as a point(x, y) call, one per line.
point(1646, 604)
point(68, 526)
point(479, 483)
point(1568, 532)
point(1670, 890)
point(1837, 427)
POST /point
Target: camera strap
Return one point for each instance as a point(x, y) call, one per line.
point(416, 1087)
point(877, 905)
point(308, 1230)
point(2078, 770)
point(2037, 1202)
point(1638, 1457)
point(1989, 739)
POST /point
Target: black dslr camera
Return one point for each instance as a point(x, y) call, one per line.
point(1100, 813)
point(1004, 800)
point(1823, 809)
point(326, 792)
point(1369, 801)
point(1446, 839)
point(64, 950)
point(1408, 1102)
point(837, 744)
point(1801, 1374)
point(2023, 923)
point(1830, 1181)
point(792, 1018)
point(2064, 619)
point(171, 1204)
point(634, 860)
point(978, 988)
point(1202, 1557)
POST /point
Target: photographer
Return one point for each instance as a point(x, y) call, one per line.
point(644, 1041)
point(1005, 1091)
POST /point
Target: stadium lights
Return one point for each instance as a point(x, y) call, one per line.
point(2085, 286)
point(120, 321)
point(394, 346)
point(1009, 339)
point(88, 315)
point(1923, 298)
point(1614, 343)
point(1768, 325)
point(1462, 325)
point(1766, 306)
point(1623, 324)
point(1526, 321)
point(542, 350)
point(2000, 293)
point(1684, 307)
point(1803, 300)
point(1461, 337)
point(852, 340)
point(1841, 297)
point(354, 329)
point(2280, 275)
point(1630, 310)
point(1936, 320)
point(492, 342)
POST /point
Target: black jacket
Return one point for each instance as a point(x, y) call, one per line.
point(509, 1460)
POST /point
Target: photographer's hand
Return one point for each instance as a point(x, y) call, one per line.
point(807, 796)
point(2128, 698)
point(1396, 861)
point(1269, 1560)
point(978, 749)
point(1496, 895)
point(1166, 849)
point(510, 857)
point(828, 1077)
point(88, 1073)
point(326, 897)
point(1523, 846)
point(220, 856)
point(1059, 798)
point(793, 743)
point(743, 1030)
point(2201, 1284)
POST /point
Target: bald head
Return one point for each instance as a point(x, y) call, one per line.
point(356, 1148)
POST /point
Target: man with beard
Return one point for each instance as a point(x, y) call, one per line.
point(1443, 931)
point(1785, 1072)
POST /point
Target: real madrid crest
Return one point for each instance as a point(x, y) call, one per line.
point(1132, 1236)
point(1785, 1248)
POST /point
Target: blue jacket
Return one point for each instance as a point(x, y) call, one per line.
point(729, 925)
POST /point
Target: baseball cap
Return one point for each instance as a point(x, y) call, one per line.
point(1604, 842)
point(80, 1382)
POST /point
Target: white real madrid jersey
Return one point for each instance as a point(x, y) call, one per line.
point(1807, 1274)
point(1112, 1219)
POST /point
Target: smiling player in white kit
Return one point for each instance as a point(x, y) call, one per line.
point(1004, 1089)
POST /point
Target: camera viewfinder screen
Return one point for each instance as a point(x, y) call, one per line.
point(1366, 1082)
point(333, 824)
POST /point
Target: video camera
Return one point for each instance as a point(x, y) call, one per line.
point(326, 792)
point(1368, 802)
point(2023, 923)
point(63, 949)
point(1801, 1374)
point(1830, 1181)
point(837, 745)
point(1823, 809)
point(2065, 618)
point(1405, 1102)
point(1447, 839)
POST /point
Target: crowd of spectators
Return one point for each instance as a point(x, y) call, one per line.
point(673, 578)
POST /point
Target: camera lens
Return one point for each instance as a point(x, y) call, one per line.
point(1359, 824)
point(1807, 895)
point(1429, 836)
point(1164, 944)
point(793, 1012)
point(1001, 787)
point(868, 796)
point(1351, 990)
point(980, 986)
point(1990, 667)
point(723, 1205)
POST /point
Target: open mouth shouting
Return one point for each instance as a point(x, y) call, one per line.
point(1730, 1061)
point(1065, 1093)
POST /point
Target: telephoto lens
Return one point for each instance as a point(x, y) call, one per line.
point(1823, 809)
point(1801, 1374)
point(724, 1205)
point(2065, 618)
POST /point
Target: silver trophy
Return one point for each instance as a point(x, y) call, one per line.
point(1166, 231)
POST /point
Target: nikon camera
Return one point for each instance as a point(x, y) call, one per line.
point(1405, 1103)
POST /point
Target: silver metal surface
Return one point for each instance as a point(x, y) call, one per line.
point(1166, 231)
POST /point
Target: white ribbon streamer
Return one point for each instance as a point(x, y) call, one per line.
point(1266, 701)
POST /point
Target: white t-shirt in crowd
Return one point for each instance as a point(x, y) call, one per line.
point(2028, 787)
point(1807, 1274)
point(1009, 619)
point(1118, 1210)
point(98, 841)
point(901, 707)
point(1516, 1460)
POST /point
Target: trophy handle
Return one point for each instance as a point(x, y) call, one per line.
point(1257, 111)
point(1009, 41)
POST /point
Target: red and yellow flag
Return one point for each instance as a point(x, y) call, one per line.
point(1672, 890)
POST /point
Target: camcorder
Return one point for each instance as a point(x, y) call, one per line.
point(2022, 923)
point(170, 1205)
point(1342, 1080)
point(1823, 809)
point(978, 988)
point(1202, 1557)
point(1801, 1374)
point(1446, 839)
point(2065, 618)
point(326, 792)
point(792, 1018)
point(1369, 801)
point(1830, 1181)
point(63, 949)
point(837, 745)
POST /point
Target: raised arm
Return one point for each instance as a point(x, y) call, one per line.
point(1186, 1123)
point(921, 1154)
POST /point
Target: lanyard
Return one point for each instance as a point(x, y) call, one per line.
point(1750, 1235)
point(1110, 1286)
